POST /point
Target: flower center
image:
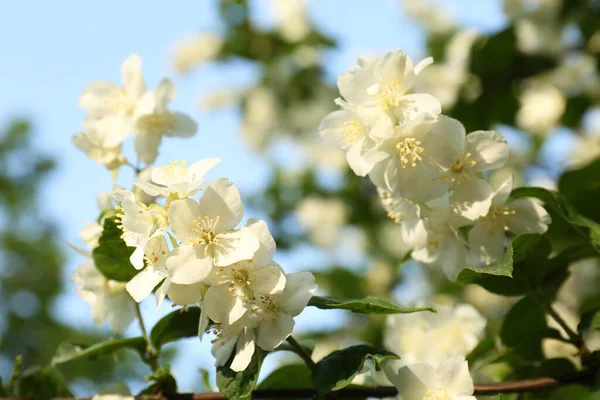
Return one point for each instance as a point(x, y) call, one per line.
point(389, 96)
point(352, 131)
point(159, 123)
point(437, 394)
point(118, 101)
point(239, 278)
point(410, 152)
point(497, 216)
point(269, 306)
point(174, 171)
point(205, 232)
point(459, 172)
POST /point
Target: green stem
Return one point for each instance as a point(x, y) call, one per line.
point(298, 349)
point(152, 355)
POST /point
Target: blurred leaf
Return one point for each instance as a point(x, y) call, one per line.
point(42, 382)
point(112, 254)
point(288, 376)
point(582, 189)
point(524, 327)
point(69, 352)
point(484, 347)
point(3, 391)
point(120, 389)
point(206, 385)
point(162, 382)
point(239, 385)
point(340, 282)
point(339, 368)
point(174, 326)
point(571, 392)
point(367, 305)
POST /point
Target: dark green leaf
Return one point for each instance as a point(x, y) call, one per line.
point(590, 320)
point(571, 392)
point(288, 376)
point(162, 382)
point(112, 254)
point(581, 188)
point(69, 352)
point(42, 382)
point(339, 368)
point(524, 328)
point(174, 326)
point(3, 391)
point(239, 385)
point(367, 305)
point(340, 282)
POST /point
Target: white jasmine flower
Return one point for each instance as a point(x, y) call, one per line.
point(542, 106)
point(449, 381)
point(382, 89)
point(487, 238)
point(177, 178)
point(238, 337)
point(291, 19)
point(153, 120)
point(407, 214)
point(277, 311)
point(233, 287)
point(433, 15)
point(110, 107)
point(322, 218)
point(108, 298)
point(195, 50)
point(408, 163)
point(206, 230)
point(464, 158)
point(137, 222)
point(431, 338)
point(94, 144)
point(154, 254)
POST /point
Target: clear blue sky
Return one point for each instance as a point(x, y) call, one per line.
point(52, 49)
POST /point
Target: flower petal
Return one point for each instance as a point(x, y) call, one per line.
point(487, 242)
point(141, 285)
point(182, 214)
point(244, 350)
point(488, 149)
point(453, 375)
point(502, 193)
point(271, 333)
point(471, 198)
point(222, 199)
point(412, 381)
point(184, 295)
point(266, 250)
point(529, 217)
point(299, 288)
point(269, 279)
point(184, 125)
point(234, 246)
point(188, 265)
point(146, 146)
point(132, 77)
point(221, 306)
point(446, 143)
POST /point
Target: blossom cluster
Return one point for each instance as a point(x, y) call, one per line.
point(115, 112)
point(431, 175)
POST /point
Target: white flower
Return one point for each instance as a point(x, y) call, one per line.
point(94, 144)
point(433, 337)
point(238, 338)
point(542, 107)
point(433, 15)
point(108, 298)
point(177, 178)
point(322, 218)
point(154, 252)
point(277, 311)
point(233, 287)
point(464, 159)
point(487, 238)
point(291, 19)
point(111, 108)
point(408, 163)
point(408, 215)
point(153, 120)
point(381, 90)
point(195, 50)
point(449, 381)
point(206, 230)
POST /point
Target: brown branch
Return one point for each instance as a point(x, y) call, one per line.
point(585, 376)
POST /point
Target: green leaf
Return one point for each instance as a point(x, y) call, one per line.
point(590, 320)
point(239, 385)
point(339, 368)
point(67, 352)
point(174, 326)
point(571, 392)
point(288, 376)
point(524, 327)
point(112, 254)
point(3, 391)
point(367, 305)
point(482, 349)
point(162, 382)
point(340, 282)
point(42, 382)
point(581, 188)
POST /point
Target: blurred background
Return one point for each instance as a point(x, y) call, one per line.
point(258, 77)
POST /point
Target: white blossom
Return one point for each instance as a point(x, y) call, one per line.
point(542, 106)
point(448, 381)
point(322, 218)
point(94, 144)
point(487, 238)
point(206, 230)
point(195, 50)
point(431, 338)
point(238, 338)
point(177, 178)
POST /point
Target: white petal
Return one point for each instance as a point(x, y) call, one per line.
point(488, 149)
point(234, 246)
point(353, 85)
point(161, 293)
point(421, 65)
point(271, 333)
point(141, 285)
point(412, 381)
point(184, 125)
point(299, 288)
point(529, 217)
point(455, 257)
point(453, 375)
point(412, 105)
point(165, 92)
point(446, 143)
point(471, 198)
point(396, 66)
point(201, 167)
point(419, 184)
point(502, 193)
point(99, 308)
point(182, 214)
point(137, 257)
point(269, 279)
point(356, 159)
point(244, 350)
point(223, 348)
point(120, 313)
point(203, 322)
point(188, 265)
point(266, 251)
point(151, 188)
point(332, 129)
point(487, 243)
point(146, 146)
point(132, 76)
point(184, 295)
point(221, 306)
point(94, 96)
point(222, 199)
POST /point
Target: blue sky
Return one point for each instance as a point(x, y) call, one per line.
point(51, 50)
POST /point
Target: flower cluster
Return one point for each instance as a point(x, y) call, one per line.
point(430, 173)
point(115, 112)
point(196, 253)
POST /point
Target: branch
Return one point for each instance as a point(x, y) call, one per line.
point(152, 356)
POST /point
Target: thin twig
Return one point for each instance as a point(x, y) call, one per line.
point(151, 352)
point(298, 349)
